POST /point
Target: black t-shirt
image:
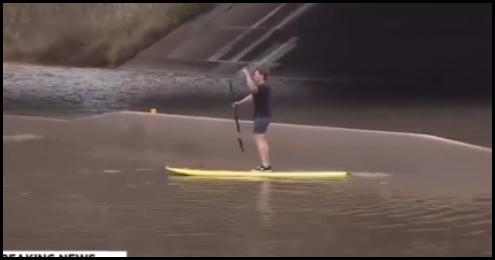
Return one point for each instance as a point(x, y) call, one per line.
point(262, 101)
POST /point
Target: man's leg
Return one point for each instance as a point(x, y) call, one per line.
point(266, 151)
point(263, 150)
point(257, 141)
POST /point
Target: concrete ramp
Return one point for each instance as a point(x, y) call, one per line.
point(226, 39)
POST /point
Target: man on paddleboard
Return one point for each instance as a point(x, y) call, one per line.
point(260, 95)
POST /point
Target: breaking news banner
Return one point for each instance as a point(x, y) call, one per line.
point(64, 254)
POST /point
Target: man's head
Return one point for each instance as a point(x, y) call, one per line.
point(260, 76)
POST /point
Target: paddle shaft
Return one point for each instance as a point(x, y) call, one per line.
point(236, 116)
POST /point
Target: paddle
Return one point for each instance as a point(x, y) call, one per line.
point(241, 145)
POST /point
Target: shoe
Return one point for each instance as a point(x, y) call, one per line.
point(262, 168)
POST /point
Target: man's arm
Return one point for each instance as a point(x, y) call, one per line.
point(252, 87)
point(248, 98)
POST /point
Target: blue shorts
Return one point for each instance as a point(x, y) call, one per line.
point(261, 125)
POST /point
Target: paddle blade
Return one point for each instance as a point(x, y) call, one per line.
point(241, 145)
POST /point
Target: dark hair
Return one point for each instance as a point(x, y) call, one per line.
point(263, 73)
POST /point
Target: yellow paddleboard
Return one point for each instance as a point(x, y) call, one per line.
point(273, 174)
